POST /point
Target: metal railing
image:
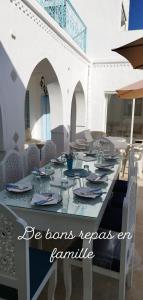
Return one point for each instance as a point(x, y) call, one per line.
point(66, 16)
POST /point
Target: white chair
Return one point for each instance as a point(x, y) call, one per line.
point(113, 258)
point(24, 271)
point(139, 159)
point(48, 152)
point(12, 167)
point(1, 176)
point(106, 145)
point(32, 157)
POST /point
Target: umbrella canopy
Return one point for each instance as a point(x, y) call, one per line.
point(131, 91)
point(133, 52)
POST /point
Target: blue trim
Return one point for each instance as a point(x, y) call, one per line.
point(136, 14)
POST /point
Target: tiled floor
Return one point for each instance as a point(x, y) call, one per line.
point(105, 288)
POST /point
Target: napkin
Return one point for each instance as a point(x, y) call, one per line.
point(45, 199)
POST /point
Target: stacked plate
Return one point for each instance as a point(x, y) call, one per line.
point(18, 188)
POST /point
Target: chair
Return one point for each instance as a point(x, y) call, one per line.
point(12, 167)
point(32, 157)
point(98, 134)
point(24, 271)
point(1, 177)
point(114, 257)
point(106, 145)
point(122, 185)
point(48, 152)
point(112, 218)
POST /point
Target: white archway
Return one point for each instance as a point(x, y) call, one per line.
point(44, 112)
point(78, 112)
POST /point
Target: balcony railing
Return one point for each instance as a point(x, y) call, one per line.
point(66, 16)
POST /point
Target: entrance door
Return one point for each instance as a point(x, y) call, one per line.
point(46, 124)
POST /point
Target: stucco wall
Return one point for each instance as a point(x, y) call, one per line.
point(25, 41)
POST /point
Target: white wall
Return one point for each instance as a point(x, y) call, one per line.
point(103, 19)
point(33, 41)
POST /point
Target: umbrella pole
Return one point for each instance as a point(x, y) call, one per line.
point(132, 122)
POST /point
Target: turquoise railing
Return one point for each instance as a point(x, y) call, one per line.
point(66, 16)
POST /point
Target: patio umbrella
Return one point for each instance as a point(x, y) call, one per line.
point(133, 52)
point(131, 91)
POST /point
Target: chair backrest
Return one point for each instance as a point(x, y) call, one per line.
point(48, 152)
point(12, 166)
point(128, 225)
point(1, 176)
point(105, 144)
point(14, 253)
point(32, 157)
point(88, 136)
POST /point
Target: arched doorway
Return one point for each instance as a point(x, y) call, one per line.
point(77, 112)
point(43, 98)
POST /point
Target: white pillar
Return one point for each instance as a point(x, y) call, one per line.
point(132, 122)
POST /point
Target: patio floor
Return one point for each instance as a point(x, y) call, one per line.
point(110, 285)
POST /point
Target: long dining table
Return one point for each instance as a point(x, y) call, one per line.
point(71, 214)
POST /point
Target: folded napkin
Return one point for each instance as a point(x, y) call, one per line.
point(45, 199)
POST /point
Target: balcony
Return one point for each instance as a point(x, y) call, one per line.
point(66, 16)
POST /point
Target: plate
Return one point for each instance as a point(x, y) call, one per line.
point(58, 161)
point(76, 172)
point(43, 172)
point(88, 193)
point(45, 199)
point(46, 172)
point(107, 167)
point(110, 159)
point(18, 188)
point(97, 178)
